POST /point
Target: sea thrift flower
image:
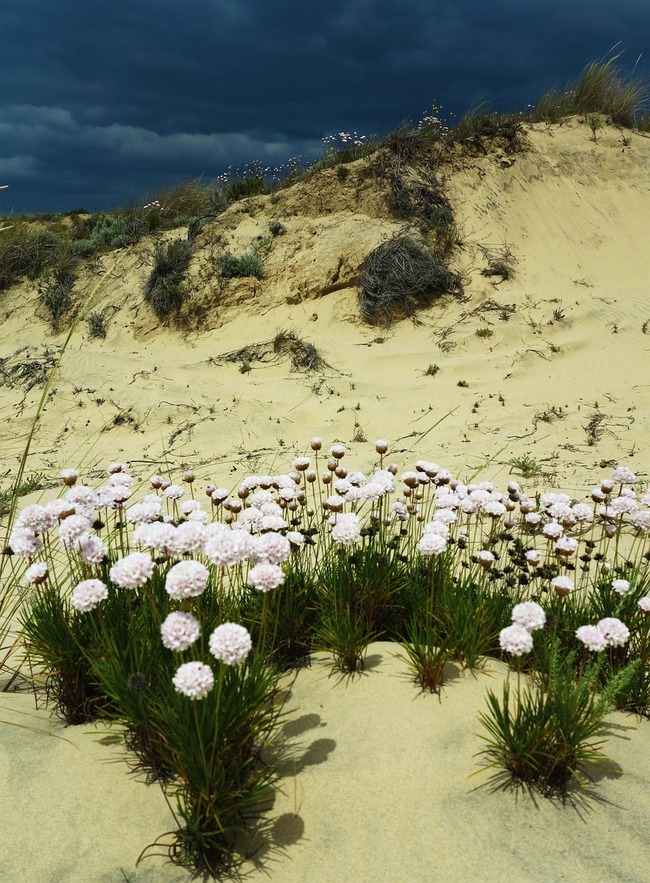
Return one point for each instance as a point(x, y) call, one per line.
point(296, 539)
point(132, 571)
point(265, 577)
point(88, 594)
point(24, 543)
point(381, 445)
point(623, 475)
point(316, 443)
point(186, 580)
point(432, 543)
point(194, 680)
point(534, 557)
point(36, 574)
point(116, 467)
point(530, 615)
point(69, 476)
point(562, 585)
point(566, 546)
point(271, 548)
point(230, 643)
point(301, 463)
point(621, 586)
point(347, 529)
point(174, 492)
point(36, 519)
point(644, 604)
point(615, 632)
point(179, 631)
point(553, 530)
point(189, 538)
point(93, 549)
point(592, 637)
point(337, 451)
point(228, 547)
point(516, 639)
point(486, 559)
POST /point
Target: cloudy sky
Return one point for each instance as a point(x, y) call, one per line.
point(103, 101)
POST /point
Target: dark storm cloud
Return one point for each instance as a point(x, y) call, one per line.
point(104, 100)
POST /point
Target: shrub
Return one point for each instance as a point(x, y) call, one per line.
point(97, 325)
point(276, 228)
point(247, 265)
point(26, 252)
point(400, 277)
point(163, 291)
point(252, 186)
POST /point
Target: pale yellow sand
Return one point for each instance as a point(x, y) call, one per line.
point(380, 794)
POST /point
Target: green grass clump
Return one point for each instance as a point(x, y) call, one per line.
point(249, 264)
point(602, 89)
point(163, 290)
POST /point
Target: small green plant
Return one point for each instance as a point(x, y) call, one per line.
point(276, 228)
point(32, 482)
point(97, 325)
point(484, 332)
point(526, 465)
point(431, 371)
point(595, 121)
point(463, 384)
point(342, 172)
point(233, 267)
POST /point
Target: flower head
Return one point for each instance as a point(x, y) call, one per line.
point(88, 594)
point(132, 571)
point(615, 632)
point(186, 580)
point(180, 630)
point(194, 680)
point(621, 586)
point(530, 615)
point(516, 639)
point(35, 573)
point(592, 637)
point(230, 643)
point(265, 576)
point(347, 529)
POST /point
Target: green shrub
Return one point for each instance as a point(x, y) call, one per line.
point(163, 291)
point(247, 265)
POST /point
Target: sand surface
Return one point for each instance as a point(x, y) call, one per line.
point(376, 791)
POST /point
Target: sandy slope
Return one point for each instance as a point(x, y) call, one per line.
point(569, 340)
point(377, 791)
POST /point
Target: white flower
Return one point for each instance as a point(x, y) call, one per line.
point(582, 512)
point(120, 478)
point(157, 536)
point(437, 526)
point(116, 467)
point(615, 632)
point(179, 631)
point(621, 586)
point(24, 543)
point(553, 530)
point(72, 528)
point(592, 637)
point(93, 549)
point(132, 571)
point(494, 508)
point(644, 604)
point(623, 475)
point(530, 615)
point(516, 639)
point(534, 557)
point(69, 476)
point(265, 577)
point(174, 492)
point(189, 538)
point(194, 680)
point(566, 545)
point(347, 529)
point(486, 558)
point(36, 519)
point(35, 573)
point(271, 548)
point(228, 547)
point(432, 543)
point(563, 585)
point(230, 643)
point(296, 539)
point(186, 580)
point(532, 518)
point(88, 594)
